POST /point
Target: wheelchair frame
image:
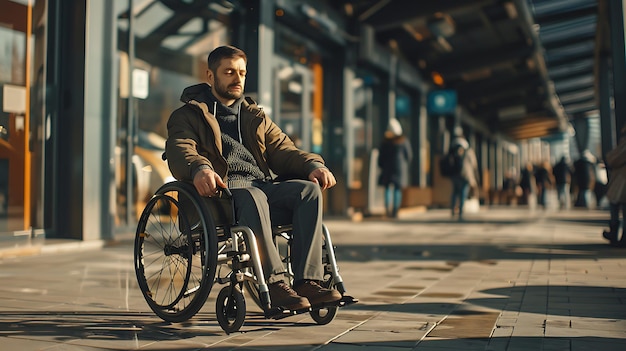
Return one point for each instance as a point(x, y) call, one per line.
point(178, 250)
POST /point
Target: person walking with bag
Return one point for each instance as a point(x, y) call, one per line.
point(616, 190)
point(467, 177)
point(394, 159)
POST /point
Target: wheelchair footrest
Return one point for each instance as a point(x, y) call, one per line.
point(344, 301)
point(280, 313)
point(348, 300)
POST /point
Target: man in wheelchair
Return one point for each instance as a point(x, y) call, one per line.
point(221, 139)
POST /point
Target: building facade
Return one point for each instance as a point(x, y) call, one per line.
point(88, 86)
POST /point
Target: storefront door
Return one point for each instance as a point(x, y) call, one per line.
point(22, 75)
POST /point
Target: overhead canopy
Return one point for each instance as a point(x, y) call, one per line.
point(524, 68)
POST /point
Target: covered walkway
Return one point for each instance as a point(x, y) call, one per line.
point(506, 279)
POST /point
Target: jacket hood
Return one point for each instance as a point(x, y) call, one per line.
point(202, 93)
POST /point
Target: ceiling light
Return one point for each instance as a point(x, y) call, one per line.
point(437, 78)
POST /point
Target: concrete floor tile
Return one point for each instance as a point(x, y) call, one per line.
point(548, 283)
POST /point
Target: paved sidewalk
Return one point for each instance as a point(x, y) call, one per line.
point(506, 279)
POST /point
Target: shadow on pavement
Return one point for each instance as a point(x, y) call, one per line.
point(65, 326)
point(140, 329)
point(484, 253)
point(575, 301)
point(568, 301)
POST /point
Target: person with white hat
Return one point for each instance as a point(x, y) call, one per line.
point(394, 160)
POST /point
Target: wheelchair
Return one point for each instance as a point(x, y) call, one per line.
point(185, 243)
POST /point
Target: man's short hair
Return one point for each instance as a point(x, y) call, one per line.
point(222, 52)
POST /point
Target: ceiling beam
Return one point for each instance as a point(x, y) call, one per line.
point(539, 132)
point(527, 129)
point(562, 71)
point(491, 104)
point(499, 85)
point(526, 18)
point(182, 14)
point(574, 83)
point(453, 65)
point(175, 61)
point(574, 40)
point(555, 18)
point(397, 13)
point(569, 59)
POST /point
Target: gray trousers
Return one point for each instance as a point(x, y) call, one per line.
point(298, 202)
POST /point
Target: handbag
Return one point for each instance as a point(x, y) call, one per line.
point(617, 157)
point(616, 189)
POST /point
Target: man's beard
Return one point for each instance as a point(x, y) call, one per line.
point(223, 91)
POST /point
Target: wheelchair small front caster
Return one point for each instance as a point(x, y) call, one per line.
point(230, 308)
point(324, 315)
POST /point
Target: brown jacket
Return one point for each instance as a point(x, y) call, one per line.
point(194, 140)
point(616, 162)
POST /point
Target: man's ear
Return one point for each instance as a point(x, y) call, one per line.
point(209, 77)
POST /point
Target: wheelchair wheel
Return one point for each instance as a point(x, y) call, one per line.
point(175, 253)
point(230, 308)
point(325, 315)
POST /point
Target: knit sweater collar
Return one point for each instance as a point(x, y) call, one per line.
point(222, 110)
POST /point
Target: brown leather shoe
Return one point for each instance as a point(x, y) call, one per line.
point(282, 295)
point(316, 293)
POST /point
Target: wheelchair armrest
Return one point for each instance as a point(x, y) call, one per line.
point(220, 208)
point(226, 192)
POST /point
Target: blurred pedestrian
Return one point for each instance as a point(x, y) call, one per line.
point(602, 182)
point(585, 174)
point(467, 178)
point(511, 190)
point(543, 178)
point(529, 185)
point(394, 160)
point(562, 172)
point(616, 191)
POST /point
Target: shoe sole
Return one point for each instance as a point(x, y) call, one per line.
point(325, 300)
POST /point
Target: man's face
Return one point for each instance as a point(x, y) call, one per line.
point(229, 80)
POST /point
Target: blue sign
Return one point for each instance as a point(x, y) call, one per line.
point(441, 102)
point(403, 105)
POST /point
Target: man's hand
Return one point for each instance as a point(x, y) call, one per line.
point(324, 177)
point(207, 182)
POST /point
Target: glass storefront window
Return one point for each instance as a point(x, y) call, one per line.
point(293, 101)
point(167, 54)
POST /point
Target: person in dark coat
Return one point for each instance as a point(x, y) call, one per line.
point(562, 172)
point(394, 160)
point(528, 184)
point(543, 178)
point(585, 174)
